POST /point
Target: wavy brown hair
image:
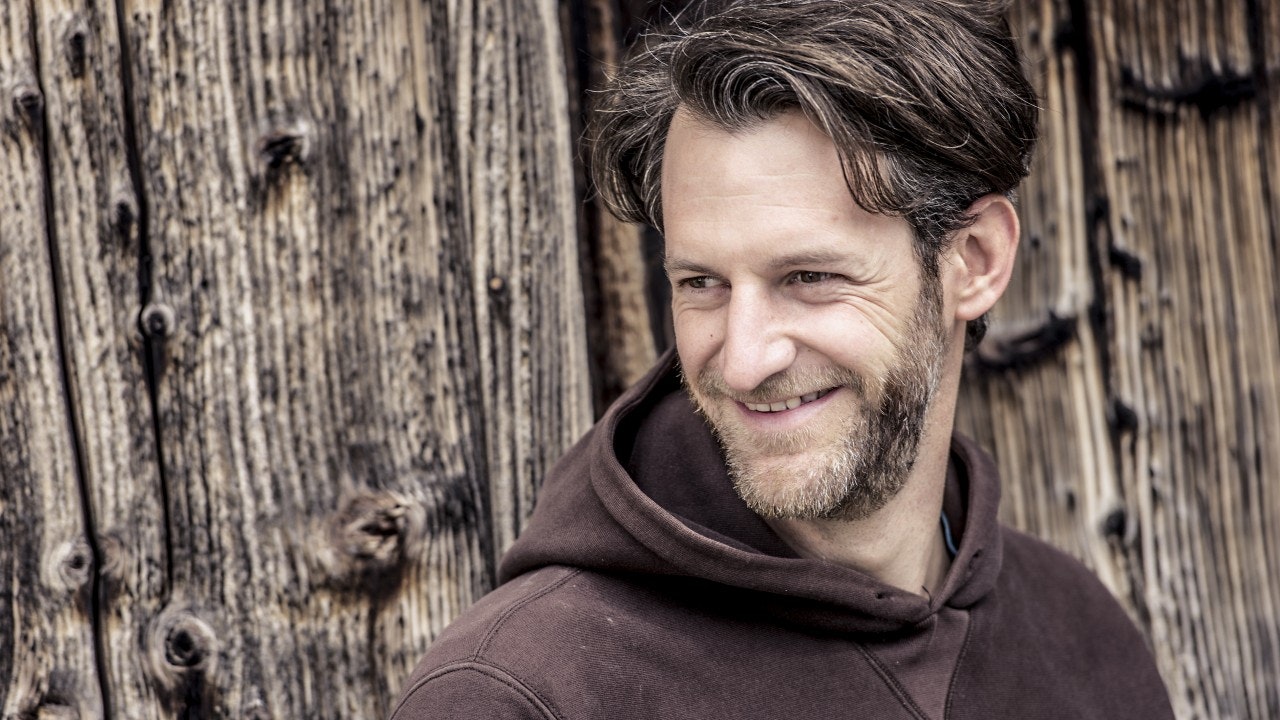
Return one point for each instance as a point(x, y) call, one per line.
point(925, 100)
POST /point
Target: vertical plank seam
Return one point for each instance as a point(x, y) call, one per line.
point(69, 398)
point(150, 346)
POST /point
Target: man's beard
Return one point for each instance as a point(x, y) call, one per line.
point(848, 472)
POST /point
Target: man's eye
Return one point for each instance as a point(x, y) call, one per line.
point(701, 282)
point(809, 277)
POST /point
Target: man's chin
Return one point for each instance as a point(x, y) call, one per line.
point(851, 507)
point(813, 486)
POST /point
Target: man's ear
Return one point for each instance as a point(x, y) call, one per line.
point(982, 256)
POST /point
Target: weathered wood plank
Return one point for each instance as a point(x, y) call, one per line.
point(48, 663)
point(615, 268)
point(515, 157)
point(96, 219)
point(1197, 356)
point(355, 215)
point(1174, 270)
point(365, 298)
point(1034, 393)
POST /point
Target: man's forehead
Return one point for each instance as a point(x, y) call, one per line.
point(771, 162)
point(776, 190)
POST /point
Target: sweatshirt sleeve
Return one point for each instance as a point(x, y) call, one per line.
point(470, 691)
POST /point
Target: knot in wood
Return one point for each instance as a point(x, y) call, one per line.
point(188, 643)
point(497, 285)
point(69, 567)
point(371, 530)
point(77, 40)
point(1116, 524)
point(28, 102)
point(283, 145)
point(76, 564)
point(182, 649)
point(181, 643)
point(124, 212)
point(157, 321)
point(366, 541)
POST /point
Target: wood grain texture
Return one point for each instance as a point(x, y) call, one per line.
point(1163, 476)
point(1037, 381)
point(334, 245)
point(361, 228)
point(615, 267)
point(48, 660)
point(516, 158)
point(95, 229)
point(1197, 356)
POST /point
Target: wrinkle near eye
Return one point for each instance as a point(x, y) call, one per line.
point(878, 309)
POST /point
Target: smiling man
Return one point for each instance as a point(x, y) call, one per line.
point(778, 521)
point(813, 341)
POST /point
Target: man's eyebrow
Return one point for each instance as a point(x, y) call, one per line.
point(807, 257)
point(678, 265)
point(796, 259)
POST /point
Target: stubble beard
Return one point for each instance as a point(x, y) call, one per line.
point(808, 474)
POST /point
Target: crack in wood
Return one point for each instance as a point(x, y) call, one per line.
point(1201, 86)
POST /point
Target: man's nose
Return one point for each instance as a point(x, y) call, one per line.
point(757, 342)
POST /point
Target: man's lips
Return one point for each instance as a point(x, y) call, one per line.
point(790, 403)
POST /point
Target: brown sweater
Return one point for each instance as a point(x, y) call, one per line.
point(644, 588)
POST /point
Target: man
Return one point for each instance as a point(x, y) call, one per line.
point(777, 521)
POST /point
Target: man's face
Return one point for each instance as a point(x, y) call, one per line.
point(806, 333)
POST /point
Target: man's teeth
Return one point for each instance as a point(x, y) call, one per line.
point(788, 404)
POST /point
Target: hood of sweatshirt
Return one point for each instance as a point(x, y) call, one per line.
point(646, 493)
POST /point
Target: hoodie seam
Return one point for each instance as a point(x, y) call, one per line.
point(892, 681)
point(483, 646)
point(955, 673)
point(496, 673)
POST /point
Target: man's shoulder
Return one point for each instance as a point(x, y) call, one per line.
point(1056, 628)
point(470, 690)
point(543, 630)
point(505, 614)
point(1060, 588)
point(1033, 567)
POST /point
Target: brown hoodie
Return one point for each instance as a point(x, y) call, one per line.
point(645, 588)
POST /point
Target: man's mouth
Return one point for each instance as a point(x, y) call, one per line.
point(787, 404)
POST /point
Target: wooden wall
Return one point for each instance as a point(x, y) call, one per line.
point(1132, 391)
point(291, 329)
point(296, 300)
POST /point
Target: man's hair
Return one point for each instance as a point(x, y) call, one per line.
point(925, 100)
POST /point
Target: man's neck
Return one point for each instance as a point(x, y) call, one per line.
point(902, 543)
